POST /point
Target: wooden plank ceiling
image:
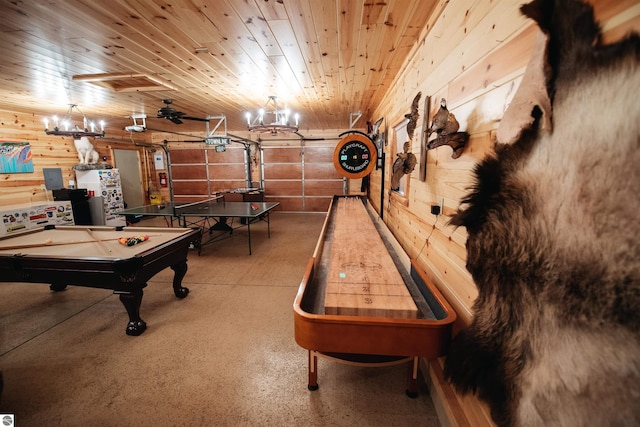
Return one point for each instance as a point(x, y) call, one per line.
point(321, 58)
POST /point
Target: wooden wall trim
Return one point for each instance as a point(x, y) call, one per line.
point(454, 410)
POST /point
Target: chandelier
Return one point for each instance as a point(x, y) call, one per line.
point(281, 119)
point(66, 126)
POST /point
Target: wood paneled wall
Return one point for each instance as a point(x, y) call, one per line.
point(51, 152)
point(474, 56)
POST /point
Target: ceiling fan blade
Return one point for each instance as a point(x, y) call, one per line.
point(175, 120)
point(199, 119)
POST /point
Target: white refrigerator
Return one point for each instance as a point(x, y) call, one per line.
point(106, 184)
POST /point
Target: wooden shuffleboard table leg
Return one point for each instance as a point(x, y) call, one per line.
point(313, 371)
point(412, 380)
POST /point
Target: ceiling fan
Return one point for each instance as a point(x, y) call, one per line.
point(170, 113)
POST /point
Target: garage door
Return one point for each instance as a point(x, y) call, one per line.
point(301, 178)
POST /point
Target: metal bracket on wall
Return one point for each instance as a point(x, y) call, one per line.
point(352, 120)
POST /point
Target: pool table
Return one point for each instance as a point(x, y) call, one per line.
point(93, 256)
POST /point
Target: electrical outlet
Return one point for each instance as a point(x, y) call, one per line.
point(43, 186)
point(441, 204)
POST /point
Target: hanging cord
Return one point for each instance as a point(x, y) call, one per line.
point(428, 237)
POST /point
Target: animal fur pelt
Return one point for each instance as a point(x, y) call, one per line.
point(532, 94)
point(553, 247)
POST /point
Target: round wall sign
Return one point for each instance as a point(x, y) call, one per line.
point(355, 156)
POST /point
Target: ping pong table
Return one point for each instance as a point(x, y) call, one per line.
point(217, 211)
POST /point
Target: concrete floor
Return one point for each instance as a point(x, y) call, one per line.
point(223, 356)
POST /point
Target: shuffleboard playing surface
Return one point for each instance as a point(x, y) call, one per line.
point(363, 279)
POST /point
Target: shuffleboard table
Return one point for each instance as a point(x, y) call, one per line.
point(93, 256)
point(358, 304)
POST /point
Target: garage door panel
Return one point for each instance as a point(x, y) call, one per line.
point(322, 188)
point(226, 171)
point(231, 155)
point(318, 154)
point(225, 185)
point(282, 155)
point(320, 171)
point(317, 204)
point(283, 171)
point(191, 155)
point(285, 188)
point(190, 187)
point(287, 204)
point(189, 172)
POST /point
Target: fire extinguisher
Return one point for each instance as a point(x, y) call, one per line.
point(163, 179)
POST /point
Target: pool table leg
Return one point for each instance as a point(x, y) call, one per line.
point(131, 302)
point(180, 270)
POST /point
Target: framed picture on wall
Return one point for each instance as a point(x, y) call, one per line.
point(15, 157)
